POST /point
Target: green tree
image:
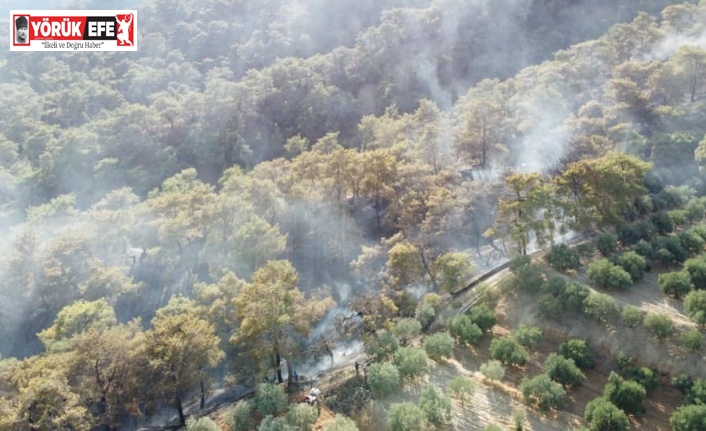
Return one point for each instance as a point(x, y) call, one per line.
point(692, 340)
point(676, 284)
point(631, 315)
point(435, 405)
point(240, 417)
point(272, 308)
point(201, 424)
point(270, 399)
point(696, 267)
point(608, 275)
point(601, 307)
point(452, 271)
point(462, 388)
point(563, 258)
point(529, 336)
point(75, 319)
point(695, 306)
point(660, 325)
point(542, 393)
point(411, 362)
point(381, 347)
point(254, 243)
point(341, 423)
point(625, 394)
point(302, 416)
point(483, 317)
point(463, 329)
point(405, 417)
point(563, 371)
point(602, 415)
point(508, 351)
point(493, 370)
point(439, 346)
point(579, 350)
point(689, 418)
point(633, 264)
point(383, 378)
point(407, 328)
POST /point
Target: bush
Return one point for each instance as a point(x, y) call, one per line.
point(563, 371)
point(609, 276)
point(483, 317)
point(579, 350)
point(633, 233)
point(697, 392)
point(625, 394)
point(462, 388)
point(696, 267)
point(695, 210)
point(633, 264)
point(683, 382)
point(607, 243)
point(411, 362)
point(695, 306)
point(270, 399)
point(692, 243)
point(676, 284)
point(508, 351)
point(644, 249)
point(240, 417)
point(341, 423)
point(699, 230)
point(301, 417)
point(383, 379)
point(644, 376)
point(689, 418)
point(439, 346)
point(405, 417)
point(542, 393)
point(201, 424)
point(382, 346)
point(435, 405)
point(662, 222)
point(492, 370)
point(563, 258)
point(659, 325)
point(424, 313)
point(601, 307)
point(676, 252)
point(692, 340)
point(529, 336)
point(407, 328)
point(601, 414)
point(631, 315)
point(464, 330)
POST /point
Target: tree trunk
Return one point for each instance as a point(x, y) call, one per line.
point(180, 409)
point(278, 363)
point(203, 394)
point(290, 374)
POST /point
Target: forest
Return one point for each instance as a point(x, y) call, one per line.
point(263, 184)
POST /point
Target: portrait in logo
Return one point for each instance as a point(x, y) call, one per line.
point(124, 28)
point(21, 30)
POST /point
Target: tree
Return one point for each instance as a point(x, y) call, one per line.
point(462, 388)
point(625, 394)
point(383, 378)
point(659, 325)
point(405, 417)
point(463, 329)
point(439, 346)
point(696, 267)
point(272, 309)
point(676, 283)
point(602, 415)
point(689, 418)
point(180, 347)
point(201, 424)
point(493, 370)
point(563, 258)
point(529, 336)
point(631, 315)
point(563, 371)
point(508, 351)
point(578, 350)
point(542, 393)
point(633, 264)
point(601, 307)
point(411, 362)
point(695, 306)
point(692, 340)
point(407, 328)
point(435, 405)
point(381, 347)
point(75, 319)
point(270, 399)
point(240, 417)
point(254, 243)
point(452, 271)
point(608, 275)
point(302, 416)
point(272, 423)
point(483, 317)
point(341, 423)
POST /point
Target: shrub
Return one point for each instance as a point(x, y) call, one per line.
point(609, 276)
point(435, 405)
point(579, 350)
point(659, 325)
point(574, 297)
point(383, 378)
point(464, 330)
point(483, 317)
point(625, 394)
point(662, 222)
point(462, 388)
point(601, 307)
point(270, 399)
point(695, 210)
point(692, 340)
point(631, 315)
point(683, 382)
point(508, 351)
point(644, 376)
point(601, 414)
point(425, 313)
point(607, 243)
point(240, 417)
point(301, 417)
point(563, 258)
point(542, 393)
point(697, 392)
point(201, 424)
point(699, 230)
point(529, 336)
point(633, 264)
point(695, 306)
point(644, 249)
point(381, 346)
point(676, 284)
point(563, 371)
point(439, 346)
point(696, 267)
point(411, 362)
point(689, 418)
point(405, 417)
point(677, 253)
point(692, 243)
point(492, 370)
point(407, 328)
point(341, 423)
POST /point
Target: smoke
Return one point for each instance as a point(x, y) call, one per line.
point(672, 43)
